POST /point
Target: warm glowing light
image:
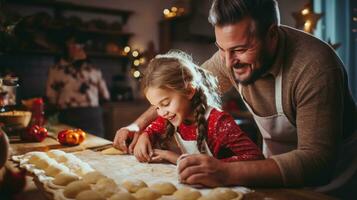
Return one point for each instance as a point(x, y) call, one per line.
point(166, 11)
point(136, 73)
point(305, 11)
point(127, 49)
point(142, 60)
point(136, 62)
point(307, 26)
point(135, 53)
point(174, 9)
point(355, 19)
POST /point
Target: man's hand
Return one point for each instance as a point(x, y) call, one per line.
point(202, 169)
point(164, 155)
point(123, 137)
point(143, 149)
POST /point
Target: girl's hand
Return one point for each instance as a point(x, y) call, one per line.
point(164, 155)
point(143, 149)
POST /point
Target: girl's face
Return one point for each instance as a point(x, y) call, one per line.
point(170, 104)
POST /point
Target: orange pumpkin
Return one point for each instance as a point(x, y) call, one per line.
point(71, 136)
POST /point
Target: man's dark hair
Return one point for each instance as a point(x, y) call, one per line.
point(263, 12)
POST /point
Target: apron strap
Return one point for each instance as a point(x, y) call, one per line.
point(279, 92)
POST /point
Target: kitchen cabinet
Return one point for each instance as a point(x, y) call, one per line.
point(42, 32)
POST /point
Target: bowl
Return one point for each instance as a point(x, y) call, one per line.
point(15, 119)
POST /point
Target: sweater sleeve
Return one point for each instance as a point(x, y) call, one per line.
point(231, 143)
point(156, 128)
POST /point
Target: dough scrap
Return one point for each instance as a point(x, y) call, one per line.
point(112, 151)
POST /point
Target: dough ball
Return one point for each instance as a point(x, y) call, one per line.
point(89, 195)
point(92, 177)
point(168, 198)
point(186, 193)
point(68, 158)
point(222, 193)
point(64, 178)
point(106, 186)
point(55, 169)
point(43, 163)
point(112, 151)
point(35, 156)
point(55, 154)
point(74, 188)
point(121, 195)
point(133, 185)
point(82, 168)
point(164, 188)
point(146, 194)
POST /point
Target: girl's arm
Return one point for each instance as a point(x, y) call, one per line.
point(233, 142)
point(143, 148)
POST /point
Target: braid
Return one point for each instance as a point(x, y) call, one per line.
point(165, 138)
point(200, 106)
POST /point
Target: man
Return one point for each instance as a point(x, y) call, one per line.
point(296, 88)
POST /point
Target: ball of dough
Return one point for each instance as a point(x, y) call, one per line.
point(223, 193)
point(55, 169)
point(35, 156)
point(168, 198)
point(133, 185)
point(121, 195)
point(164, 188)
point(146, 194)
point(186, 193)
point(106, 186)
point(92, 177)
point(74, 188)
point(89, 195)
point(82, 168)
point(64, 178)
point(68, 158)
point(55, 154)
point(43, 163)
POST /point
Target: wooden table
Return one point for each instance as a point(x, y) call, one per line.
point(95, 143)
point(91, 142)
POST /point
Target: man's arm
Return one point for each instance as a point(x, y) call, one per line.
point(123, 134)
point(208, 171)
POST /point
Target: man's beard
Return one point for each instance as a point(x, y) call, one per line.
point(266, 62)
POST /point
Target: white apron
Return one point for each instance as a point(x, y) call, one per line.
point(190, 147)
point(279, 135)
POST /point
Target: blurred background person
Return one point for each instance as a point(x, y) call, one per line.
point(76, 88)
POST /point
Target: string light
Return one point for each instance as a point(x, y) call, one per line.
point(173, 12)
point(305, 11)
point(136, 62)
point(136, 74)
point(307, 26)
point(135, 54)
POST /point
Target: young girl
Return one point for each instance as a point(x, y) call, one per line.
point(190, 120)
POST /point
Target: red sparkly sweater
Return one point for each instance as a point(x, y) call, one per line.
point(225, 139)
